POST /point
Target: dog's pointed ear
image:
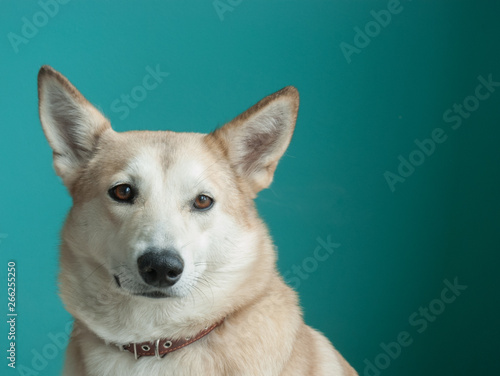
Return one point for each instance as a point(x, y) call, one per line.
point(256, 139)
point(70, 123)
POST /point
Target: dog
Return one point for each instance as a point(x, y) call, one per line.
point(165, 264)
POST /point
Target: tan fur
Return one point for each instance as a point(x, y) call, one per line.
point(229, 259)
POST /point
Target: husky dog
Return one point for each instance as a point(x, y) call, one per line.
point(166, 266)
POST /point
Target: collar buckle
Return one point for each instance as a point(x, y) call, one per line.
point(157, 349)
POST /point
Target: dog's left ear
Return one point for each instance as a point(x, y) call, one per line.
point(257, 139)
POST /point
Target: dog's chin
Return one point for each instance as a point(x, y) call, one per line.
point(153, 294)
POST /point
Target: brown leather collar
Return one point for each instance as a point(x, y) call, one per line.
point(163, 346)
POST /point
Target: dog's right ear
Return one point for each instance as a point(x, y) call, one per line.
point(70, 123)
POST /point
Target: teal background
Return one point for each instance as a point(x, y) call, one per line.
point(396, 248)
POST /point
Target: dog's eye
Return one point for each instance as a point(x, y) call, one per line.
point(122, 193)
point(203, 202)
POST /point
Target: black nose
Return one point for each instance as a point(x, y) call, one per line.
point(160, 268)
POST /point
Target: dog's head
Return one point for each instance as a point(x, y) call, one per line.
point(164, 214)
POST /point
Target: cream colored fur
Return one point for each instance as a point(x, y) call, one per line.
point(229, 259)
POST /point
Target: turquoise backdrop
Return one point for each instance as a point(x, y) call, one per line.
point(394, 164)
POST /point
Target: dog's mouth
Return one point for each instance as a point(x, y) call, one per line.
point(153, 294)
point(147, 294)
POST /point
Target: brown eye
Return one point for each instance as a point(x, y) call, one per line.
point(203, 202)
point(122, 193)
